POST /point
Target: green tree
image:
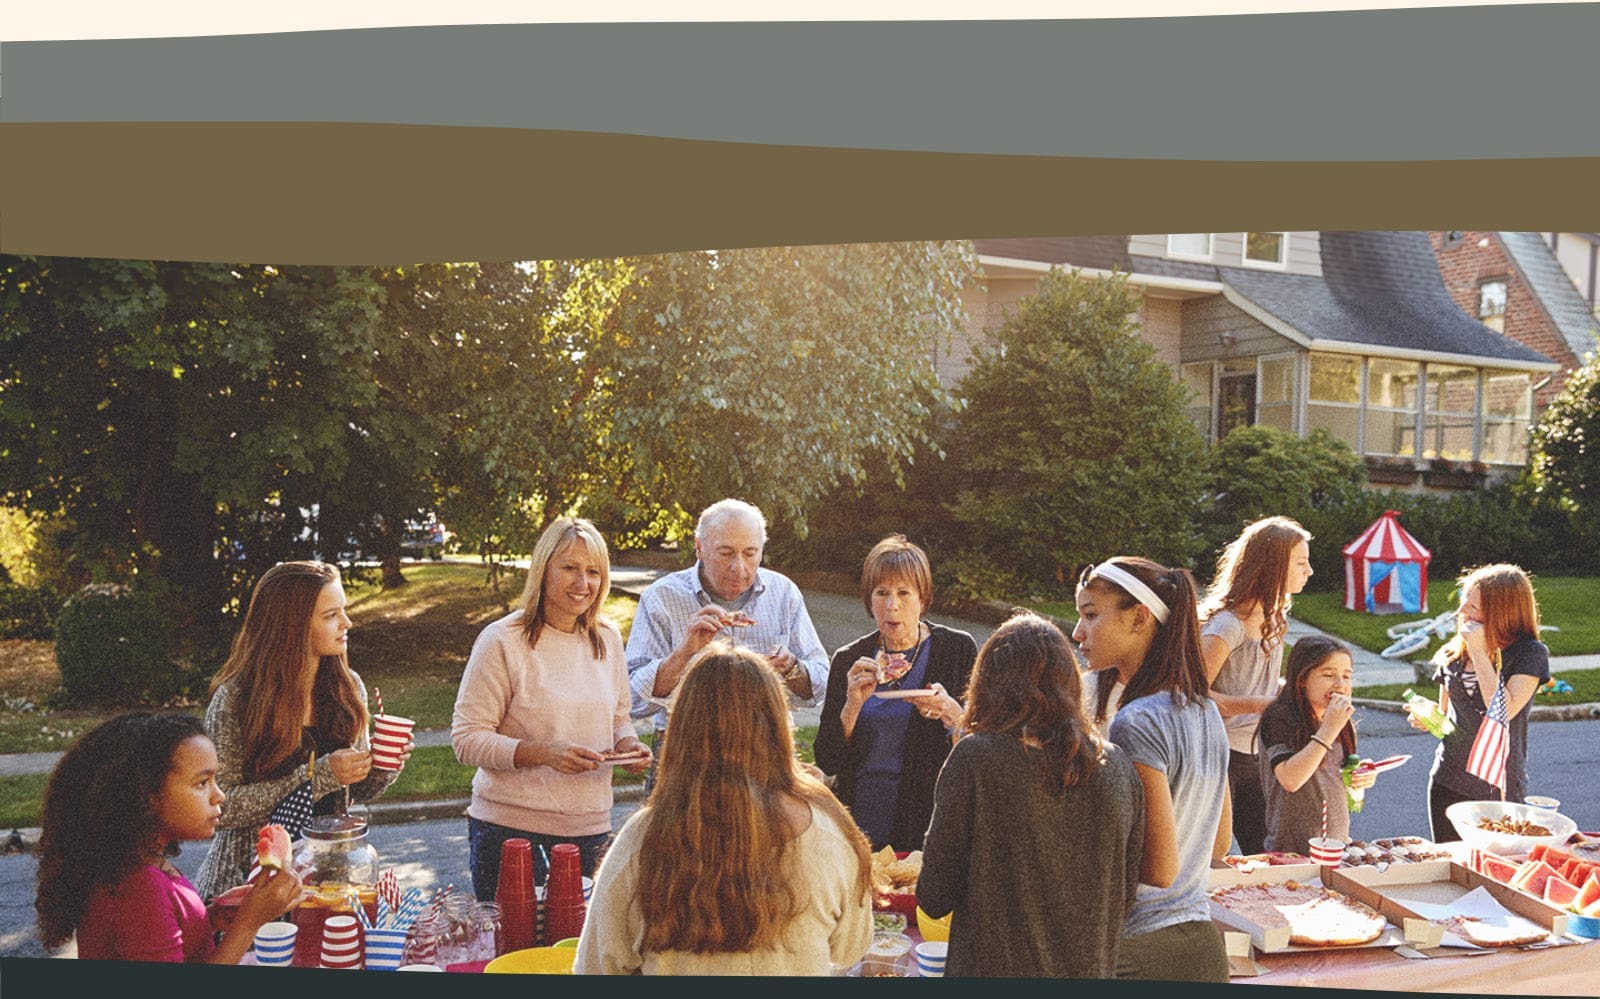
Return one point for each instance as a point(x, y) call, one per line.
point(1074, 442)
point(1564, 464)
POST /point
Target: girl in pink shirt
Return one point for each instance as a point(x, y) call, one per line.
point(116, 808)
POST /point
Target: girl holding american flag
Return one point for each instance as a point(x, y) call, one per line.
point(1488, 673)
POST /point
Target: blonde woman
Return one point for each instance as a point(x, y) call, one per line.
point(1243, 620)
point(544, 695)
point(742, 862)
point(1497, 645)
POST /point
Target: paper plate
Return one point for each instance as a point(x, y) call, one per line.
point(534, 961)
point(892, 695)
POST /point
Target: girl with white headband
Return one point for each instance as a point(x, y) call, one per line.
point(1243, 620)
point(1137, 627)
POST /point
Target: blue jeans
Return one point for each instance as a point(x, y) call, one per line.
point(485, 840)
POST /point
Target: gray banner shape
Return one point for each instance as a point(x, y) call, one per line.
point(1453, 83)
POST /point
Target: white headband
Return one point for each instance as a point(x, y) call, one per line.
point(1135, 587)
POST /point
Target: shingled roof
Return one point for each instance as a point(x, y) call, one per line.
point(1554, 290)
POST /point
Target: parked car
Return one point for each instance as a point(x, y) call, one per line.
point(424, 540)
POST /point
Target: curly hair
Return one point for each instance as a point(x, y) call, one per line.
point(100, 821)
point(1251, 573)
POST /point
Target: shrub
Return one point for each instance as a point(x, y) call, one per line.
point(1074, 444)
point(26, 611)
point(1564, 464)
point(112, 646)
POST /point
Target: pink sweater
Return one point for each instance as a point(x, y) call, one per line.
point(558, 692)
point(150, 916)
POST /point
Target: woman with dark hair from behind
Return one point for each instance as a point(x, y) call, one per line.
point(742, 862)
point(1038, 825)
point(1138, 618)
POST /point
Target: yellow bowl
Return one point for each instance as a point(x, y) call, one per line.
point(933, 929)
point(568, 942)
point(534, 961)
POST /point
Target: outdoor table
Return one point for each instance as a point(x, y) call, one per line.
point(1554, 971)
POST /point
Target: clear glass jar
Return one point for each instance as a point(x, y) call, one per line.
point(486, 944)
point(334, 851)
point(428, 940)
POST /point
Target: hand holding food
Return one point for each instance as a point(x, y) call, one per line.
point(273, 851)
point(350, 766)
point(634, 755)
point(1339, 711)
point(863, 678)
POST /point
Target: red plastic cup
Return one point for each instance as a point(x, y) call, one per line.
point(565, 883)
point(518, 906)
point(564, 920)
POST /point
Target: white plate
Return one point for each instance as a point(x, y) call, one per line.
point(1386, 764)
point(893, 695)
point(622, 761)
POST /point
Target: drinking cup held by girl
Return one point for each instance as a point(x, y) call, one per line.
point(544, 694)
point(1243, 620)
point(285, 694)
point(1038, 824)
point(887, 752)
point(117, 806)
point(1496, 645)
point(1137, 624)
point(741, 862)
point(1304, 737)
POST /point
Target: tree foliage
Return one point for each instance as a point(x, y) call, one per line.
point(1074, 442)
point(1564, 465)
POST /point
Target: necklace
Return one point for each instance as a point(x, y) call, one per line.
point(909, 654)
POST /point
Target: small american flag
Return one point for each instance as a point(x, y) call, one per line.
point(1487, 761)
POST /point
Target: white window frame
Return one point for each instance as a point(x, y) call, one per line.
point(1282, 264)
point(1293, 402)
point(1211, 247)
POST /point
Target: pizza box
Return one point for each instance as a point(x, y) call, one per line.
point(1275, 939)
point(1437, 882)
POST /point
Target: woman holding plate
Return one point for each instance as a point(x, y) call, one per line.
point(883, 743)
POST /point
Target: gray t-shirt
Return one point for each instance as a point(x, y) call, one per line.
point(1294, 817)
point(1187, 743)
point(1249, 671)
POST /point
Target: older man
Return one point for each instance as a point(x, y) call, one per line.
point(724, 594)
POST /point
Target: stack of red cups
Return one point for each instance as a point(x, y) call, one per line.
point(518, 908)
point(564, 907)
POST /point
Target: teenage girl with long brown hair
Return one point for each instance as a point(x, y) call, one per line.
point(1244, 617)
point(1137, 622)
point(742, 862)
point(285, 692)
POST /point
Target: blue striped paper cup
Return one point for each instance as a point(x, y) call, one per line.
point(274, 943)
point(930, 958)
point(386, 947)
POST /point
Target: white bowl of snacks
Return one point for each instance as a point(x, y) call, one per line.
point(1508, 828)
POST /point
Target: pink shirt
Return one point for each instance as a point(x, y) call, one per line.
point(150, 916)
point(558, 692)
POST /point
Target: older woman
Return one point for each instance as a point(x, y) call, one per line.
point(886, 751)
point(544, 697)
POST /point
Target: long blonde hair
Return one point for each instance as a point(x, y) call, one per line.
point(1510, 611)
point(562, 532)
point(716, 870)
point(1251, 572)
point(266, 671)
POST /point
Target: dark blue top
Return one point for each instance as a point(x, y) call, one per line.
point(882, 727)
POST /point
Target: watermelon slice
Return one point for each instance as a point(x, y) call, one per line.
point(1588, 895)
point(1592, 909)
point(1532, 875)
point(1559, 891)
point(1538, 852)
point(272, 847)
point(1498, 868)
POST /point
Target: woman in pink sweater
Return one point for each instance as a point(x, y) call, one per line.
point(543, 699)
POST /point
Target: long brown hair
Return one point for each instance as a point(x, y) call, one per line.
point(1173, 662)
point(1510, 612)
point(1251, 572)
point(1025, 684)
point(716, 872)
point(266, 673)
point(100, 820)
point(562, 532)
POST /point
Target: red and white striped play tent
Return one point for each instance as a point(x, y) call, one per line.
point(1386, 569)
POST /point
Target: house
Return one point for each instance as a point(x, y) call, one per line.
point(1579, 253)
point(1515, 282)
point(1350, 332)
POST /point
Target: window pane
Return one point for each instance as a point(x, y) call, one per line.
point(1452, 390)
point(1277, 380)
point(1448, 435)
point(1265, 247)
point(1197, 379)
point(1189, 244)
point(1505, 441)
point(1508, 395)
point(1392, 383)
point(1279, 415)
point(1340, 421)
point(1491, 299)
point(1390, 432)
point(1335, 378)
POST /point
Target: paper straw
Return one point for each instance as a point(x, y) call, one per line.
point(377, 695)
point(360, 910)
point(384, 913)
point(1324, 818)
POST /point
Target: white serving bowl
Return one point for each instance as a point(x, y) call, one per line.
point(1464, 815)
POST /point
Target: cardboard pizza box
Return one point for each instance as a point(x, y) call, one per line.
point(1439, 882)
point(1275, 939)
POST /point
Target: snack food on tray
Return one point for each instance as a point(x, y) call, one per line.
point(1271, 858)
point(1315, 916)
point(1514, 933)
point(1412, 848)
point(1513, 827)
point(891, 873)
